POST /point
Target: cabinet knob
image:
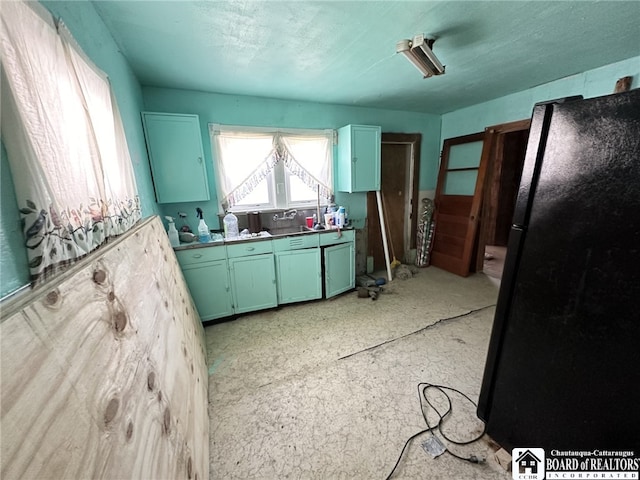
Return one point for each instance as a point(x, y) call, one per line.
point(199, 159)
point(197, 255)
point(250, 249)
point(355, 159)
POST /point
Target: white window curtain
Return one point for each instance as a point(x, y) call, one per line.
point(309, 158)
point(244, 156)
point(243, 159)
point(65, 141)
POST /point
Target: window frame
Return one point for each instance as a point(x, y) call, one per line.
point(279, 178)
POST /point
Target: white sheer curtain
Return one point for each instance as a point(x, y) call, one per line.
point(309, 158)
point(64, 139)
point(244, 156)
point(243, 159)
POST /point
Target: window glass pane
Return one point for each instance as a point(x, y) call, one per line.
point(259, 195)
point(313, 154)
point(460, 182)
point(465, 155)
point(243, 155)
point(299, 191)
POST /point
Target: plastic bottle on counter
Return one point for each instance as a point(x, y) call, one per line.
point(230, 226)
point(174, 239)
point(203, 230)
point(341, 214)
point(332, 210)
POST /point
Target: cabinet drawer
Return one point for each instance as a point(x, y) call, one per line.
point(295, 242)
point(255, 247)
point(335, 237)
point(198, 255)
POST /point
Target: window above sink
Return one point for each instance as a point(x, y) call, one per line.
point(260, 169)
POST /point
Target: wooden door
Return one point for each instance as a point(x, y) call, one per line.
point(507, 143)
point(400, 161)
point(393, 191)
point(458, 201)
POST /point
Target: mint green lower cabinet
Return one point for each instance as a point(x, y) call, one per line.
point(299, 275)
point(339, 269)
point(234, 278)
point(253, 282)
point(209, 287)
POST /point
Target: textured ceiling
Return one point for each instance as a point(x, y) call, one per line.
point(344, 52)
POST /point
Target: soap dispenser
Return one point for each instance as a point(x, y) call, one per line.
point(174, 239)
point(203, 230)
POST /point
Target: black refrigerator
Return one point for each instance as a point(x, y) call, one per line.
point(563, 366)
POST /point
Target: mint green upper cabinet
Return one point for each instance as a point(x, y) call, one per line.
point(358, 158)
point(174, 144)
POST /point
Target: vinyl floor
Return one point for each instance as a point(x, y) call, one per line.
point(329, 389)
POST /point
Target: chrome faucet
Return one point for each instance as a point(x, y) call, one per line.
point(288, 215)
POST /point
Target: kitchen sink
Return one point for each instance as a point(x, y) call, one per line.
point(290, 230)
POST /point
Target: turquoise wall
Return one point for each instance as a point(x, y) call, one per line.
point(518, 106)
point(243, 110)
point(14, 272)
point(95, 39)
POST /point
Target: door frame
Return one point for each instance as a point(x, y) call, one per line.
point(413, 140)
point(493, 143)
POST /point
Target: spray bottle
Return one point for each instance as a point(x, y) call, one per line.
point(203, 230)
point(174, 239)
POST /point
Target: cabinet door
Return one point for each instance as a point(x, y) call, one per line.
point(253, 281)
point(299, 275)
point(339, 269)
point(174, 144)
point(209, 287)
point(366, 158)
point(358, 158)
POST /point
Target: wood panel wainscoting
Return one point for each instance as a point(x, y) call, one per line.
point(104, 369)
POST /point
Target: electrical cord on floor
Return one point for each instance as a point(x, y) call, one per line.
point(423, 387)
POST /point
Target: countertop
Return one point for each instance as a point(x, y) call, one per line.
point(277, 233)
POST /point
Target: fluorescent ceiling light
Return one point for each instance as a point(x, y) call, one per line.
point(418, 51)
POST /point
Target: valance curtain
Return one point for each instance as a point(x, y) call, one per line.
point(244, 156)
point(65, 141)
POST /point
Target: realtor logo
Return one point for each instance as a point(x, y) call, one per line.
point(527, 463)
